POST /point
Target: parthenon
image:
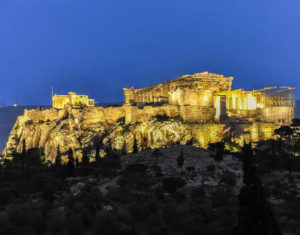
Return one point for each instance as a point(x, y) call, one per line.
point(212, 94)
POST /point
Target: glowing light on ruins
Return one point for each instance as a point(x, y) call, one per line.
point(200, 106)
point(201, 95)
point(75, 100)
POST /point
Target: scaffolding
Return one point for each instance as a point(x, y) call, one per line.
point(279, 96)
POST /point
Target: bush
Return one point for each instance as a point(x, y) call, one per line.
point(137, 212)
point(220, 198)
point(198, 193)
point(106, 224)
point(29, 122)
point(180, 160)
point(159, 194)
point(19, 217)
point(190, 168)
point(110, 163)
point(228, 178)
point(137, 168)
point(172, 183)
point(162, 118)
point(211, 167)
point(74, 226)
point(178, 196)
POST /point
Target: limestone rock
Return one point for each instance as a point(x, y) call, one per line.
point(78, 128)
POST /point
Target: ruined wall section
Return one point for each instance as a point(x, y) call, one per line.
point(160, 92)
point(197, 114)
point(188, 113)
point(135, 114)
point(106, 115)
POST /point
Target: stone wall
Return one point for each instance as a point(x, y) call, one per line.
point(135, 114)
point(160, 92)
point(191, 97)
point(283, 115)
point(100, 114)
point(197, 113)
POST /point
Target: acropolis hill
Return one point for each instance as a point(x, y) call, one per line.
point(199, 108)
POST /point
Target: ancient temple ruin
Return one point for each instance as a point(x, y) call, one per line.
point(201, 109)
point(207, 96)
point(73, 99)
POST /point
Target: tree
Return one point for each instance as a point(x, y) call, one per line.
point(70, 165)
point(180, 160)
point(97, 143)
point(144, 142)
point(296, 122)
point(33, 160)
point(58, 158)
point(285, 132)
point(255, 215)
point(218, 151)
point(135, 146)
point(170, 184)
point(124, 149)
point(23, 157)
point(85, 161)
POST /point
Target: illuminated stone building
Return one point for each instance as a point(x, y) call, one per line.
point(206, 96)
point(73, 99)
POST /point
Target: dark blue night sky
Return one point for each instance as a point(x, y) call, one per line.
point(97, 47)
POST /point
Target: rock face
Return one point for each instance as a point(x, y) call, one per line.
point(51, 129)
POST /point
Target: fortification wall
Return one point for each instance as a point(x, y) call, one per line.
point(191, 97)
point(100, 114)
point(197, 113)
point(244, 113)
point(43, 115)
point(135, 114)
point(282, 115)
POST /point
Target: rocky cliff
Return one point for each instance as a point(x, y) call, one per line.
point(51, 129)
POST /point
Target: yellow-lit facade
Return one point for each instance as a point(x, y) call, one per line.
point(73, 99)
point(213, 93)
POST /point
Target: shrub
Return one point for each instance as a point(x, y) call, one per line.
point(110, 163)
point(29, 122)
point(121, 120)
point(138, 212)
point(65, 126)
point(198, 193)
point(151, 207)
point(106, 224)
point(180, 160)
point(136, 168)
point(220, 198)
point(228, 178)
point(190, 168)
point(159, 194)
point(211, 167)
point(156, 153)
point(162, 118)
point(74, 226)
point(170, 184)
point(178, 196)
